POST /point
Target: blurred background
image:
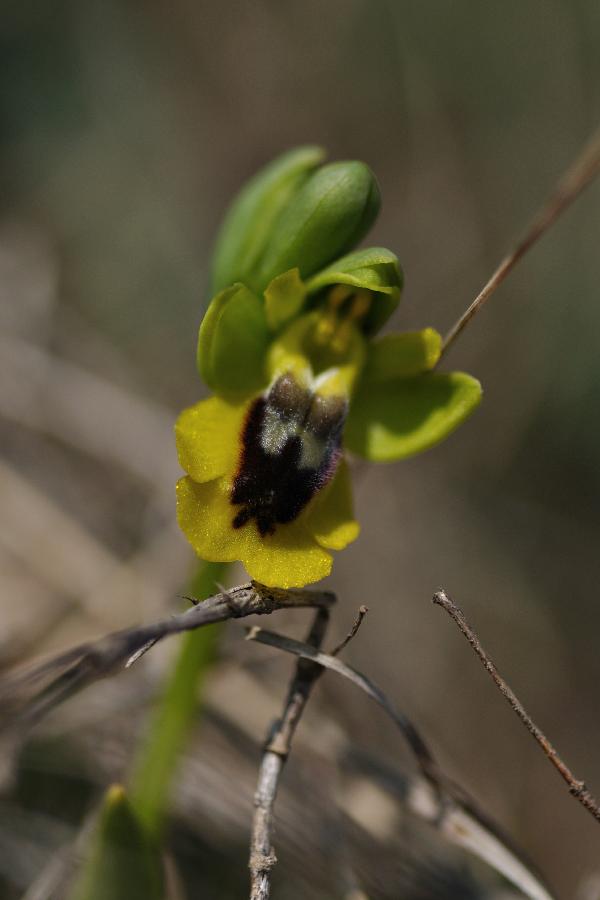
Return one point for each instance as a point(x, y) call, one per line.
point(125, 130)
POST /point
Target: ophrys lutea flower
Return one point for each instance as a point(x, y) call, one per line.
point(298, 378)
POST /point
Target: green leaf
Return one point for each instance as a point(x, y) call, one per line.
point(375, 269)
point(402, 355)
point(329, 215)
point(123, 864)
point(284, 298)
point(398, 418)
point(176, 712)
point(248, 225)
point(233, 341)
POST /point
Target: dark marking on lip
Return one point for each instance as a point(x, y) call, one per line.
point(291, 446)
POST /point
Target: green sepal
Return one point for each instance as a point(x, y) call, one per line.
point(247, 227)
point(284, 298)
point(375, 269)
point(122, 863)
point(402, 355)
point(328, 216)
point(404, 416)
point(233, 341)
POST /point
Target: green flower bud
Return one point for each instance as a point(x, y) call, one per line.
point(248, 225)
point(329, 215)
point(233, 341)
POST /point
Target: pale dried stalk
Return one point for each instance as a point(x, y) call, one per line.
point(25, 697)
point(435, 798)
point(277, 748)
point(576, 787)
point(583, 171)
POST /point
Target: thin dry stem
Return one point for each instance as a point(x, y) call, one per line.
point(417, 744)
point(26, 696)
point(576, 787)
point(435, 798)
point(583, 171)
point(277, 748)
point(362, 611)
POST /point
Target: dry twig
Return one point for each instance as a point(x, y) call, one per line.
point(277, 748)
point(415, 741)
point(25, 697)
point(276, 751)
point(436, 799)
point(576, 787)
point(583, 171)
point(362, 611)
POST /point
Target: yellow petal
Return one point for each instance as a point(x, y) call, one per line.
point(288, 558)
point(205, 516)
point(208, 438)
point(330, 516)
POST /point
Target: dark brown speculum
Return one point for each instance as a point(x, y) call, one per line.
point(291, 446)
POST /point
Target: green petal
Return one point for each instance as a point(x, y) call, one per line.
point(398, 418)
point(284, 298)
point(249, 222)
point(330, 213)
point(403, 355)
point(233, 341)
point(375, 269)
point(122, 863)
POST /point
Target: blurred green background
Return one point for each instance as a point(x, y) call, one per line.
point(125, 130)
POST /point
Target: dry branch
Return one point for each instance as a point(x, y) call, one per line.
point(277, 748)
point(416, 743)
point(276, 751)
point(437, 799)
point(25, 697)
point(583, 171)
point(576, 787)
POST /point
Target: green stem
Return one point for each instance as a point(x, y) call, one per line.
point(175, 713)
